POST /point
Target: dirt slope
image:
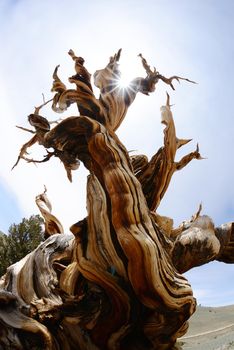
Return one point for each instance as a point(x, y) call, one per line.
point(211, 328)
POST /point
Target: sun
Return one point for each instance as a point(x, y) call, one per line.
point(130, 68)
point(124, 82)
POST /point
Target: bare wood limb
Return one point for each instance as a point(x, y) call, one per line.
point(174, 77)
point(82, 73)
point(187, 159)
point(155, 176)
point(24, 148)
point(147, 67)
point(37, 109)
point(25, 129)
point(196, 245)
point(225, 235)
point(52, 224)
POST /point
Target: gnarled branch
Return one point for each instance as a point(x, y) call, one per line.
point(52, 224)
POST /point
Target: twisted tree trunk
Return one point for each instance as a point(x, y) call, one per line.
point(115, 283)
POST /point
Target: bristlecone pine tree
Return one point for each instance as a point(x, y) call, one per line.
point(116, 281)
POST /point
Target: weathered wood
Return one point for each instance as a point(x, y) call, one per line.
point(155, 177)
point(225, 234)
point(116, 282)
point(52, 224)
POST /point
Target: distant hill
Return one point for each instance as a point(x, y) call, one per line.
point(211, 328)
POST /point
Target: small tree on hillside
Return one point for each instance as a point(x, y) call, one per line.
point(4, 261)
point(21, 240)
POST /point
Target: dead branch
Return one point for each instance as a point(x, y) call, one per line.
point(37, 109)
point(52, 224)
point(24, 148)
point(25, 129)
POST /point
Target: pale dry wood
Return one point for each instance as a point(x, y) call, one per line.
point(155, 176)
point(52, 224)
point(225, 234)
point(196, 245)
point(31, 293)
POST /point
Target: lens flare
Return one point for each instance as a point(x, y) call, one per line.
point(130, 68)
point(124, 82)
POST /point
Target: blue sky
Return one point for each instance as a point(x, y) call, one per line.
point(191, 38)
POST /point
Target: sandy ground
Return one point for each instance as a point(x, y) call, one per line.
point(210, 329)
